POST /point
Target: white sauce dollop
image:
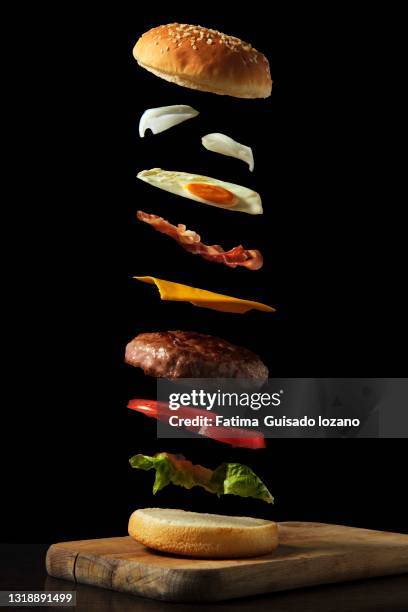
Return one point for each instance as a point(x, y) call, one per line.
point(220, 143)
point(164, 117)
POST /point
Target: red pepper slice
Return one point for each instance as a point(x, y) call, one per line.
point(234, 436)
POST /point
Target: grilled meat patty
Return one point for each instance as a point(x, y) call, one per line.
point(182, 354)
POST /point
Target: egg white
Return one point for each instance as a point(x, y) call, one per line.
point(247, 201)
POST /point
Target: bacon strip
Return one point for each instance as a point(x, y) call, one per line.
point(191, 242)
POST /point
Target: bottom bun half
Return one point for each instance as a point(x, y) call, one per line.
point(196, 534)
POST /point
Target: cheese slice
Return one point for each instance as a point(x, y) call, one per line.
point(177, 292)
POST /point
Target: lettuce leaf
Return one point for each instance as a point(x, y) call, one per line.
point(228, 478)
point(241, 480)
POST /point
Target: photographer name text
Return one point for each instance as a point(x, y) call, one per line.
point(267, 421)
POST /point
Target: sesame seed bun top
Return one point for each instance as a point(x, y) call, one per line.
point(204, 59)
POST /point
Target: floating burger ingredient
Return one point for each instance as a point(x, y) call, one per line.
point(191, 242)
point(205, 190)
point(183, 354)
point(177, 292)
point(226, 479)
point(220, 143)
point(204, 59)
point(197, 534)
point(164, 117)
point(200, 422)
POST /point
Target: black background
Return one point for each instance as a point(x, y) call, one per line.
point(329, 235)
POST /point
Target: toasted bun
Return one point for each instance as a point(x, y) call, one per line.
point(204, 59)
point(203, 535)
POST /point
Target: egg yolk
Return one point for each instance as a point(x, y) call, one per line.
point(212, 193)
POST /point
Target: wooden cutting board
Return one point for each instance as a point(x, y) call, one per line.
point(308, 554)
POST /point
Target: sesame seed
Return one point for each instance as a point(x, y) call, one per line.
point(176, 32)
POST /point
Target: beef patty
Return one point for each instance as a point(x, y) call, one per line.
point(182, 354)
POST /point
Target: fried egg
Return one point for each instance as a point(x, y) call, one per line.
point(205, 190)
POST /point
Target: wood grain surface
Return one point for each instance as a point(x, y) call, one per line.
point(308, 554)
